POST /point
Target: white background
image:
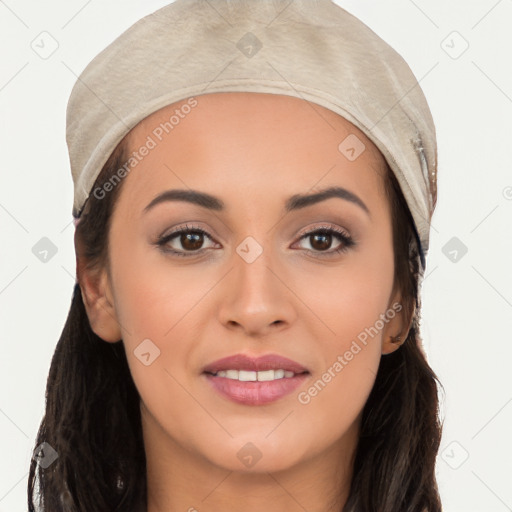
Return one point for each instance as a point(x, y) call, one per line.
point(467, 315)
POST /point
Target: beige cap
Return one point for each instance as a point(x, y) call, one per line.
point(310, 49)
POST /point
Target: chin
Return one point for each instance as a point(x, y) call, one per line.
point(257, 456)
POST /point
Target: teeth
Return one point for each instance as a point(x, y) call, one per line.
point(252, 376)
point(247, 376)
point(232, 374)
point(268, 375)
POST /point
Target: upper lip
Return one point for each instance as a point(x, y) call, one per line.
point(261, 363)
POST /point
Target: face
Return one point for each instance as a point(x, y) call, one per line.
point(256, 271)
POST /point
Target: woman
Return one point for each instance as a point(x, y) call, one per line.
point(254, 184)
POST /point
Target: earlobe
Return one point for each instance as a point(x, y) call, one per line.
point(99, 303)
point(397, 329)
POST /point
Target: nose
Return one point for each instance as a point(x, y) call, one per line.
point(257, 297)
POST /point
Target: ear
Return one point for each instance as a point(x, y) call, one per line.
point(400, 317)
point(98, 301)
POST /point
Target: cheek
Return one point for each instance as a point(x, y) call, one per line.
point(348, 297)
point(346, 307)
point(349, 304)
point(160, 301)
point(157, 301)
point(154, 294)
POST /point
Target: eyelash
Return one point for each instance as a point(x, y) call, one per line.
point(347, 241)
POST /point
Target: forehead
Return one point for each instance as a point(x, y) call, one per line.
point(234, 142)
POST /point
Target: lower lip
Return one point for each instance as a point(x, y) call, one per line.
point(254, 392)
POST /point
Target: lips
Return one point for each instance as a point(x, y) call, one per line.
point(262, 363)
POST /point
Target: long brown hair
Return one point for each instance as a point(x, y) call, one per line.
point(92, 415)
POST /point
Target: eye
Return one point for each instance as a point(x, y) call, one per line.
point(191, 238)
point(320, 239)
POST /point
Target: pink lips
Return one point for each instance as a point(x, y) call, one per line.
point(255, 392)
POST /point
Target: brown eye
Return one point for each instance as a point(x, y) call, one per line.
point(191, 241)
point(184, 240)
point(320, 241)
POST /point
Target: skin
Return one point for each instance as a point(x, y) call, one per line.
point(252, 151)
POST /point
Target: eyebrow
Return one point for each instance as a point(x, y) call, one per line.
point(295, 202)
